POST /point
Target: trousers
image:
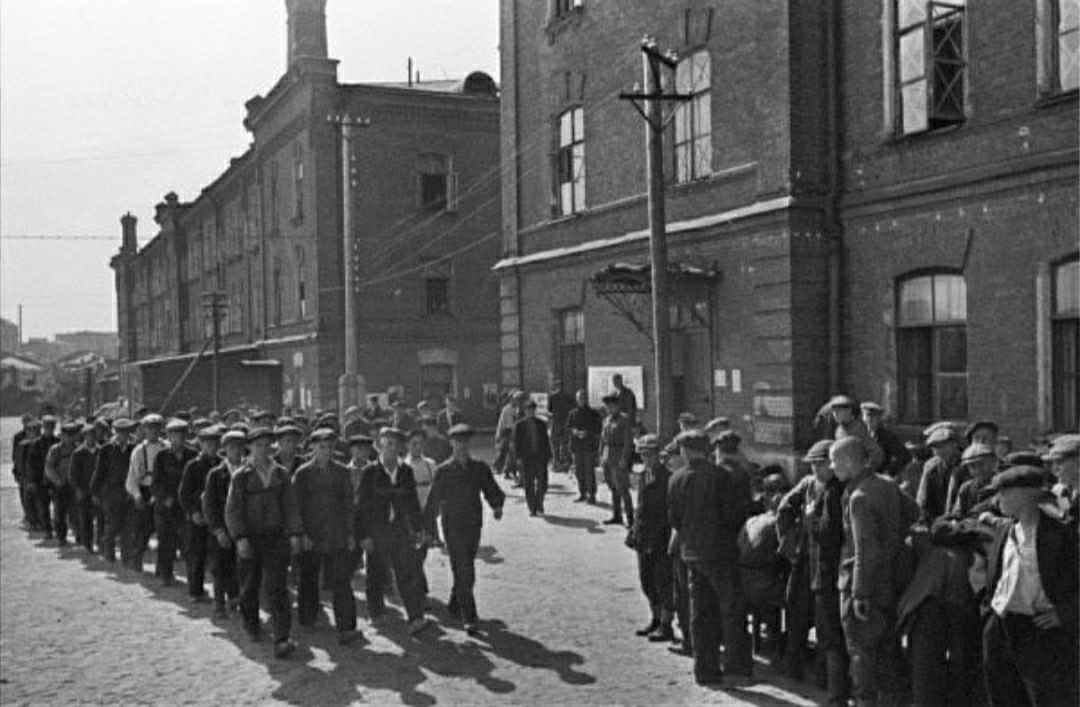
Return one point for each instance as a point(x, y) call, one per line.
point(223, 567)
point(1027, 665)
point(90, 521)
point(337, 569)
point(535, 478)
point(117, 511)
point(681, 575)
point(462, 544)
point(657, 581)
point(873, 648)
point(195, 558)
point(267, 571)
point(617, 477)
point(140, 527)
point(63, 510)
point(169, 523)
point(394, 552)
point(717, 606)
point(585, 471)
point(944, 647)
point(830, 641)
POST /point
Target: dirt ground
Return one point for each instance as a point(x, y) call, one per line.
point(558, 594)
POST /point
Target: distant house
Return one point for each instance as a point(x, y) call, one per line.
point(9, 336)
point(21, 384)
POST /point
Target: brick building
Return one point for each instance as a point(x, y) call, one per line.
point(267, 235)
point(878, 198)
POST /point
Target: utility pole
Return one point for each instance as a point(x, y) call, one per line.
point(214, 304)
point(351, 385)
point(654, 62)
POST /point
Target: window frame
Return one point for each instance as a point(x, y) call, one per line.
point(570, 350)
point(935, 115)
point(565, 8)
point(298, 183)
point(687, 113)
point(432, 296)
point(1048, 42)
point(569, 158)
point(1064, 413)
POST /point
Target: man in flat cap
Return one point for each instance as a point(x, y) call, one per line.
point(616, 447)
point(981, 464)
point(512, 411)
point(38, 484)
point(584, 426)
point(168, 470)
point(1064, 461)
point(31, 431)
point(894, 455)
point(1033, 597)
point(532, 447)
point(88, 518)
point(107, 487)
point(222, 548)
point(140, 477)
point(189, 495)
point(460, 483)
point(390, 527)
point(984, 432)
point(58, 473)
point(649, 537)
point(17, 466)
point(942, 473)
point(707, 518)
point(325, 497)
point(288, 447)
point(263, 518)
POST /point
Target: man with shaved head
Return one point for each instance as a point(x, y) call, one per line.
point(876, 518)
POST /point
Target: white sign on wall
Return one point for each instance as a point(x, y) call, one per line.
point(600, 383)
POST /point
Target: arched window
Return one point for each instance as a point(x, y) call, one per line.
point(1065, 345)
point(931, 347)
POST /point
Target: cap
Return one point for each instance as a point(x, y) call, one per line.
point(234, 436)
point(727, 437)
point(153, 419)
point(263, 414)
point(718, 423)
point(361, 439)
point(975, 452)
point(688, 418)
point(324, 434)
point(210, 432)
point(33, 422)
point(394, 433)
point(940, 435)
point(841, 401)
point(89, 428)
point(282, 430)
point(1019, 477)
point(819, 451)
point(177, 425)
point(775, 483)
point(351, 410)
point(1064, 447)
point(871, 407)
point(48, 418)
point(649, 441)
point(520, 395)
point(71, 428)
point(101, 424)
point(260, 433)
point(240, 426)
point(693, 439)
point(980, 424)
point(397, 403)
point(1024, 458)
point(428, 420)
point(123, 424)
point(460, 430)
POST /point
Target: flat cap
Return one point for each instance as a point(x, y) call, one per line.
point(1064, 447)
point(649, 441)
point(688, 418)
point(48, 418)
point(940, 435)
point(71, 427)
point(33, 422)
point(177, 425)
point(262, 415)
point(324, 434)
point(520, 395)
point(429, 420)
point(153, 419)
point(460, 430)
point(123, 424)
point(394, 433)
point(1024, 458)
point(937, 426)
point(241, 426)
point(532, 404)
point(90, 428)
point(351, 410)
point(289, 429)
point(693, 439)
point(260, 433)
point(978, 425)
point(361, 439)
point(871, 407)
point(819, 451)
point(1019, 477)
point(234, 435)
point(727, 437)
point(841, 401)
point(718, 423)
point(975, 452)
point(211, 432)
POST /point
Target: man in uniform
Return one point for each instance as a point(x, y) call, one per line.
point(390, 527)
point(460, 482)
point(649, 537)
point(138, 483)
point(533, 450)
point(83, 462)
point(325, 499)
point(37, 483)
point(584, 426)
point(617, 444)
point(107, 488)
point(895, 455)
point(222, 552)
point(192, 485)
point(58, 474)
point(168, 470)
point(707, 518)
point(263, 519)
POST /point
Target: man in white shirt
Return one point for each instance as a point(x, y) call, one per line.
point(138, 487)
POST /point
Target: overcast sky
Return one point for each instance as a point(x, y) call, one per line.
point(106, 105)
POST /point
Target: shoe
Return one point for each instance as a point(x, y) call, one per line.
point(613, 521)
point(681, 649)
point(580, 499)
point(592, 500)
point(472, 629)
point(646, 630)
point(284, 648)
point(418, 625)
point(532, 513)
point(348, 637)
point(662, 634)
point(453, 611)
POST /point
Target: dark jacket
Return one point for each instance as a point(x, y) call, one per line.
point(1059, 567)
point(215, 496)
point(455, 495)
point(587, 420)
point(111, 471)
point(193, 483)
point(561, 405)
point(324, 495)
point(58, 464)
point(22, 460)
point(83, 462)
point(652, 529)
point(895, 455)
point(35, 460)
point(376, 495)
point(168, 471)
point(617, 439)
point(703, 510)
point(256, 509)
point(438, 448)
point(877, 518)
point(538, 454)
point(820, 534)
point(16, 440)
point(937, 480)
point(298, 461)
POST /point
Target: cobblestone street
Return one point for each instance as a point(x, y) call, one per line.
point(558, 594)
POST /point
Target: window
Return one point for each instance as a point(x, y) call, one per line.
point(565, 7)
point(932, 348)
point(437, 295)
point(928, 46)
point(438, 184)
point(301, 281)
point(1059, 46)
point(693, 120)
point(1065, 345)
point(570, 348)
point(570, 163)
point(298, 183)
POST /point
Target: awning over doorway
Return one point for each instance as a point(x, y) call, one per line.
point(628, 288)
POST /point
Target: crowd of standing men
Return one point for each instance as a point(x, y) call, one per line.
point(258, 500)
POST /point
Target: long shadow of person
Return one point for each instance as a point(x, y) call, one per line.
point(591, 526)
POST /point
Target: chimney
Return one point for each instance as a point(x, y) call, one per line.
point(307, 29)
point(130, 241)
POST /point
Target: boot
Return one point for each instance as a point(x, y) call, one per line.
point(663, 632)
point(652, 626)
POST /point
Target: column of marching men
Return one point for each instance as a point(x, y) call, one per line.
point(260, 502)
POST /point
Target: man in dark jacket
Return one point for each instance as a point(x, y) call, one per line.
point(649, 537)
point(37, 486)
point(222, 550)
point(168, 470)
point(560, 405)
point(1032, 600)
point(455, 496)
point(533, 454)
point(325, 498)
point(58, 474)
point(263, 518)
point(17, 465)
point(107, 487)
point(584, 424)
point(942, 474)
point(87, 515)
point(894, 455)
point(707, 517)
point(390, 528)
point(616, 447)
point(192, 485)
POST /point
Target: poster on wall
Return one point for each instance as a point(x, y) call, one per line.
point(600, 383)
